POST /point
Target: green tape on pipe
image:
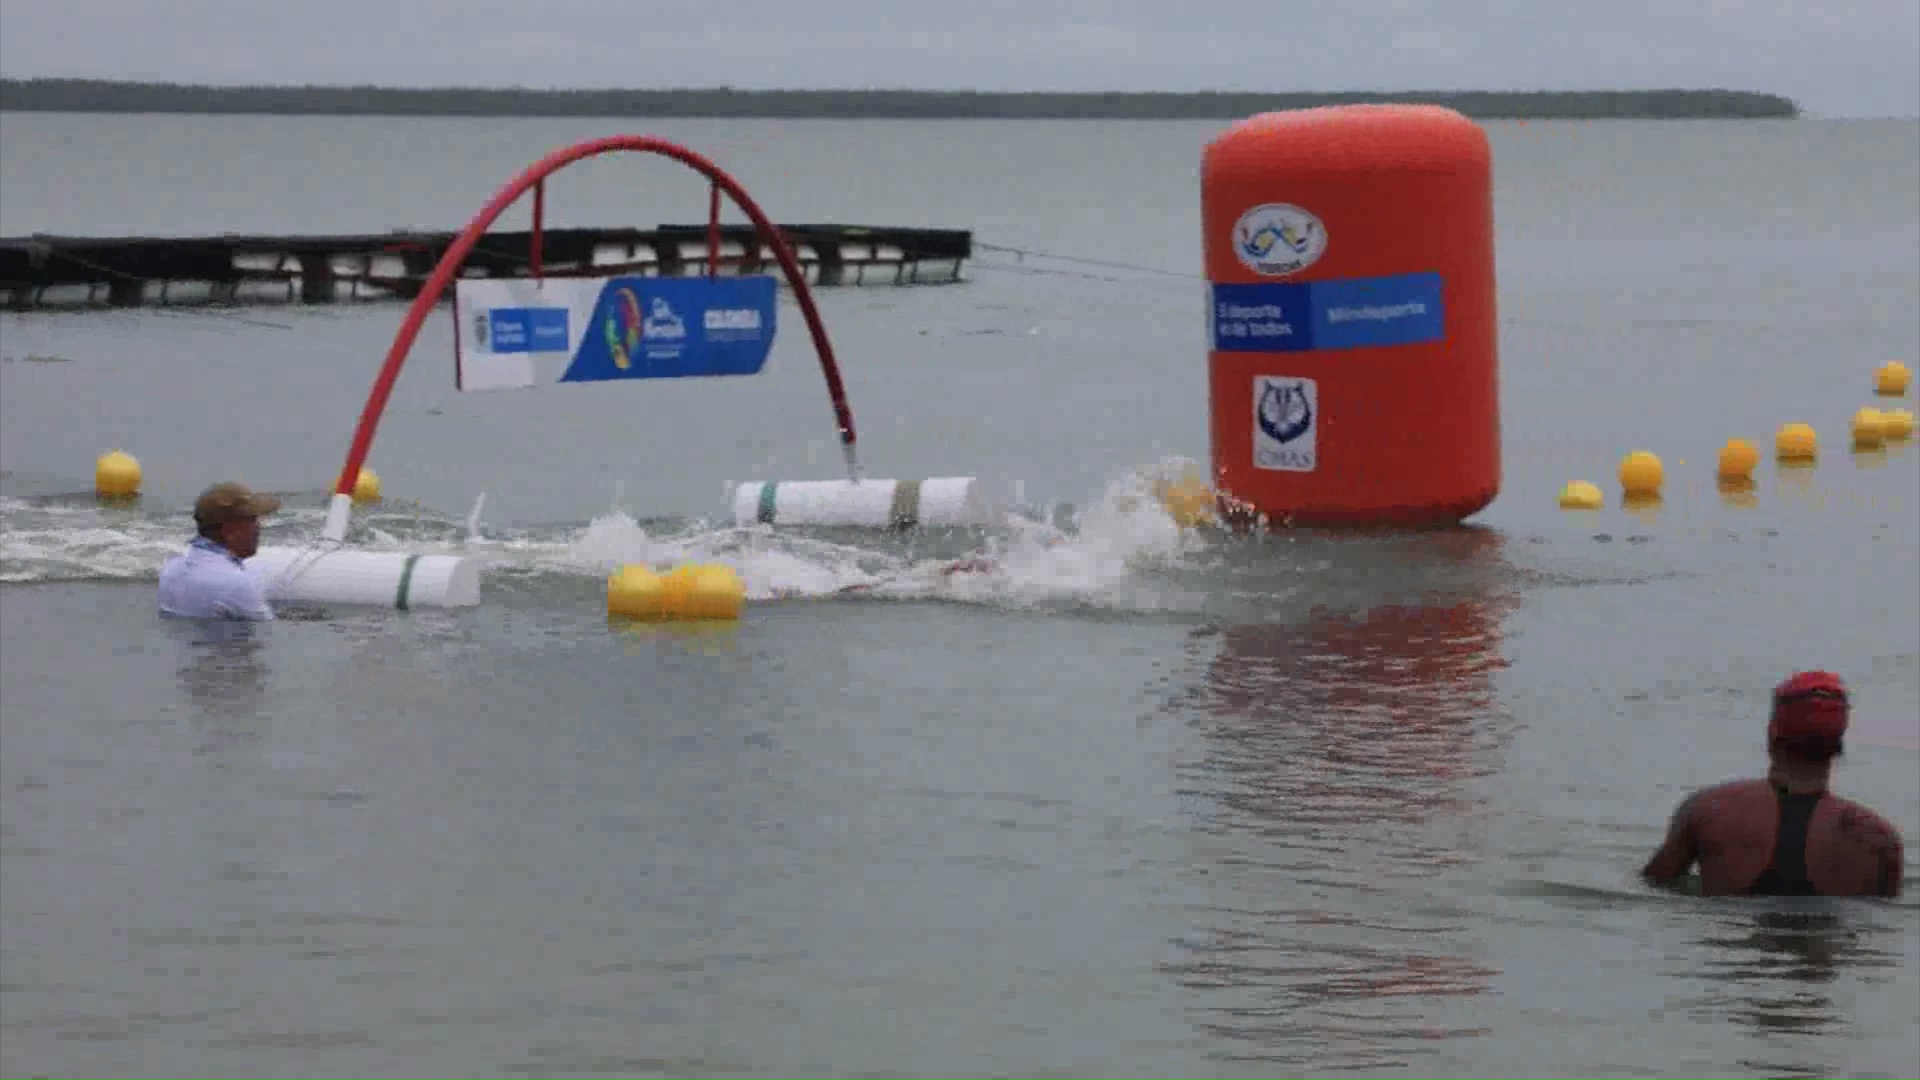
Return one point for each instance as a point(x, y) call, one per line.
point(400, 594)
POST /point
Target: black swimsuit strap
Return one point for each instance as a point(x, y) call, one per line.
point(1786, 875)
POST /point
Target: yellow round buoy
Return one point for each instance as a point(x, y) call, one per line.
point(1867, 429)
point(1188, 501)
point(1795, 442)
point(688, 591)
point(1641, 473)
point(1896, 425)
point(1580, 495)
point(1891, 379)
point(366, 486)
point(116, 475)
point(1737, 460)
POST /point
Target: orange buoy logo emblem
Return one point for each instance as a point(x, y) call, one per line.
point(1278, 238)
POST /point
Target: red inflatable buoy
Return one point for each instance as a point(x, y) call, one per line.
point(1353, 363)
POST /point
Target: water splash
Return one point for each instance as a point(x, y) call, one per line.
point(1113, 554)
point(75, 541)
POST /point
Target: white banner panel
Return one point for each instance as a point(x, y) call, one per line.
point(506, 325)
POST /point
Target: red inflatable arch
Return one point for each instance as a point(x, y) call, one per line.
point(535, 178)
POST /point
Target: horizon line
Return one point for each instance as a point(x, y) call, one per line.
point(718, 88)
point(84, 95)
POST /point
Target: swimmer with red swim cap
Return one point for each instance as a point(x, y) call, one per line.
point(1786, 834)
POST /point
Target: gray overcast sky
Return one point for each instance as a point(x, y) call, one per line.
point(1836, 57)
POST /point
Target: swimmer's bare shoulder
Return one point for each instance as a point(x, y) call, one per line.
point(1863, 826)
point(1681, 848)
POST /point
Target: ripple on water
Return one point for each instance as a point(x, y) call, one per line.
point(1340, 759)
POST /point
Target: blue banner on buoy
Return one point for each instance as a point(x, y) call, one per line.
point(1305, 316)
point(602, 329)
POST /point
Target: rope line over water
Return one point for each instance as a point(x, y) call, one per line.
point(1024, 253)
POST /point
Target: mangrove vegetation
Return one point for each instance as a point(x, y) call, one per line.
point(107, 96)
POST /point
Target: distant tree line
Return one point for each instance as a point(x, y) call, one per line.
point(108, 96)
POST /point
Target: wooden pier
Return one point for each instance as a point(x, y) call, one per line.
point(79, 271)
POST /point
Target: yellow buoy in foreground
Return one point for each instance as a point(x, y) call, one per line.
point(1891, 379)
point(1896, 425)
point(116, 475)
point(1867, 429)
point(1641, 473)
point(1737, 460)
point(1581, 495)
point(366, 486)
point(688, 591)
point(1795, 442)
point(1188, 501)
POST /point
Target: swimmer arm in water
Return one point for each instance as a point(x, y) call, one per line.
point(977, 565)
point(1678, 851)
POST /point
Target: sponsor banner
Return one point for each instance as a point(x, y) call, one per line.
point(1305, 316)
point(518, 333)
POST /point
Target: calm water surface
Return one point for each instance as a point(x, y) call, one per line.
point(1134, 804)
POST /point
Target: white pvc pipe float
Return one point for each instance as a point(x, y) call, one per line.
point(865, 503)
point(392, 579)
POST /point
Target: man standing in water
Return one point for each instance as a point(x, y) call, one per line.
point(210, 579)
point(1786, 835)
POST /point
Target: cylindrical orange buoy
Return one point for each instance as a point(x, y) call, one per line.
point(1353, 367)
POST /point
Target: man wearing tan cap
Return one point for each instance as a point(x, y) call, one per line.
point(210, 579)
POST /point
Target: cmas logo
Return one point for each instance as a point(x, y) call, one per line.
point(1285, 414)
point(482, 327)
point(1285, 417)
point(1278, 239)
